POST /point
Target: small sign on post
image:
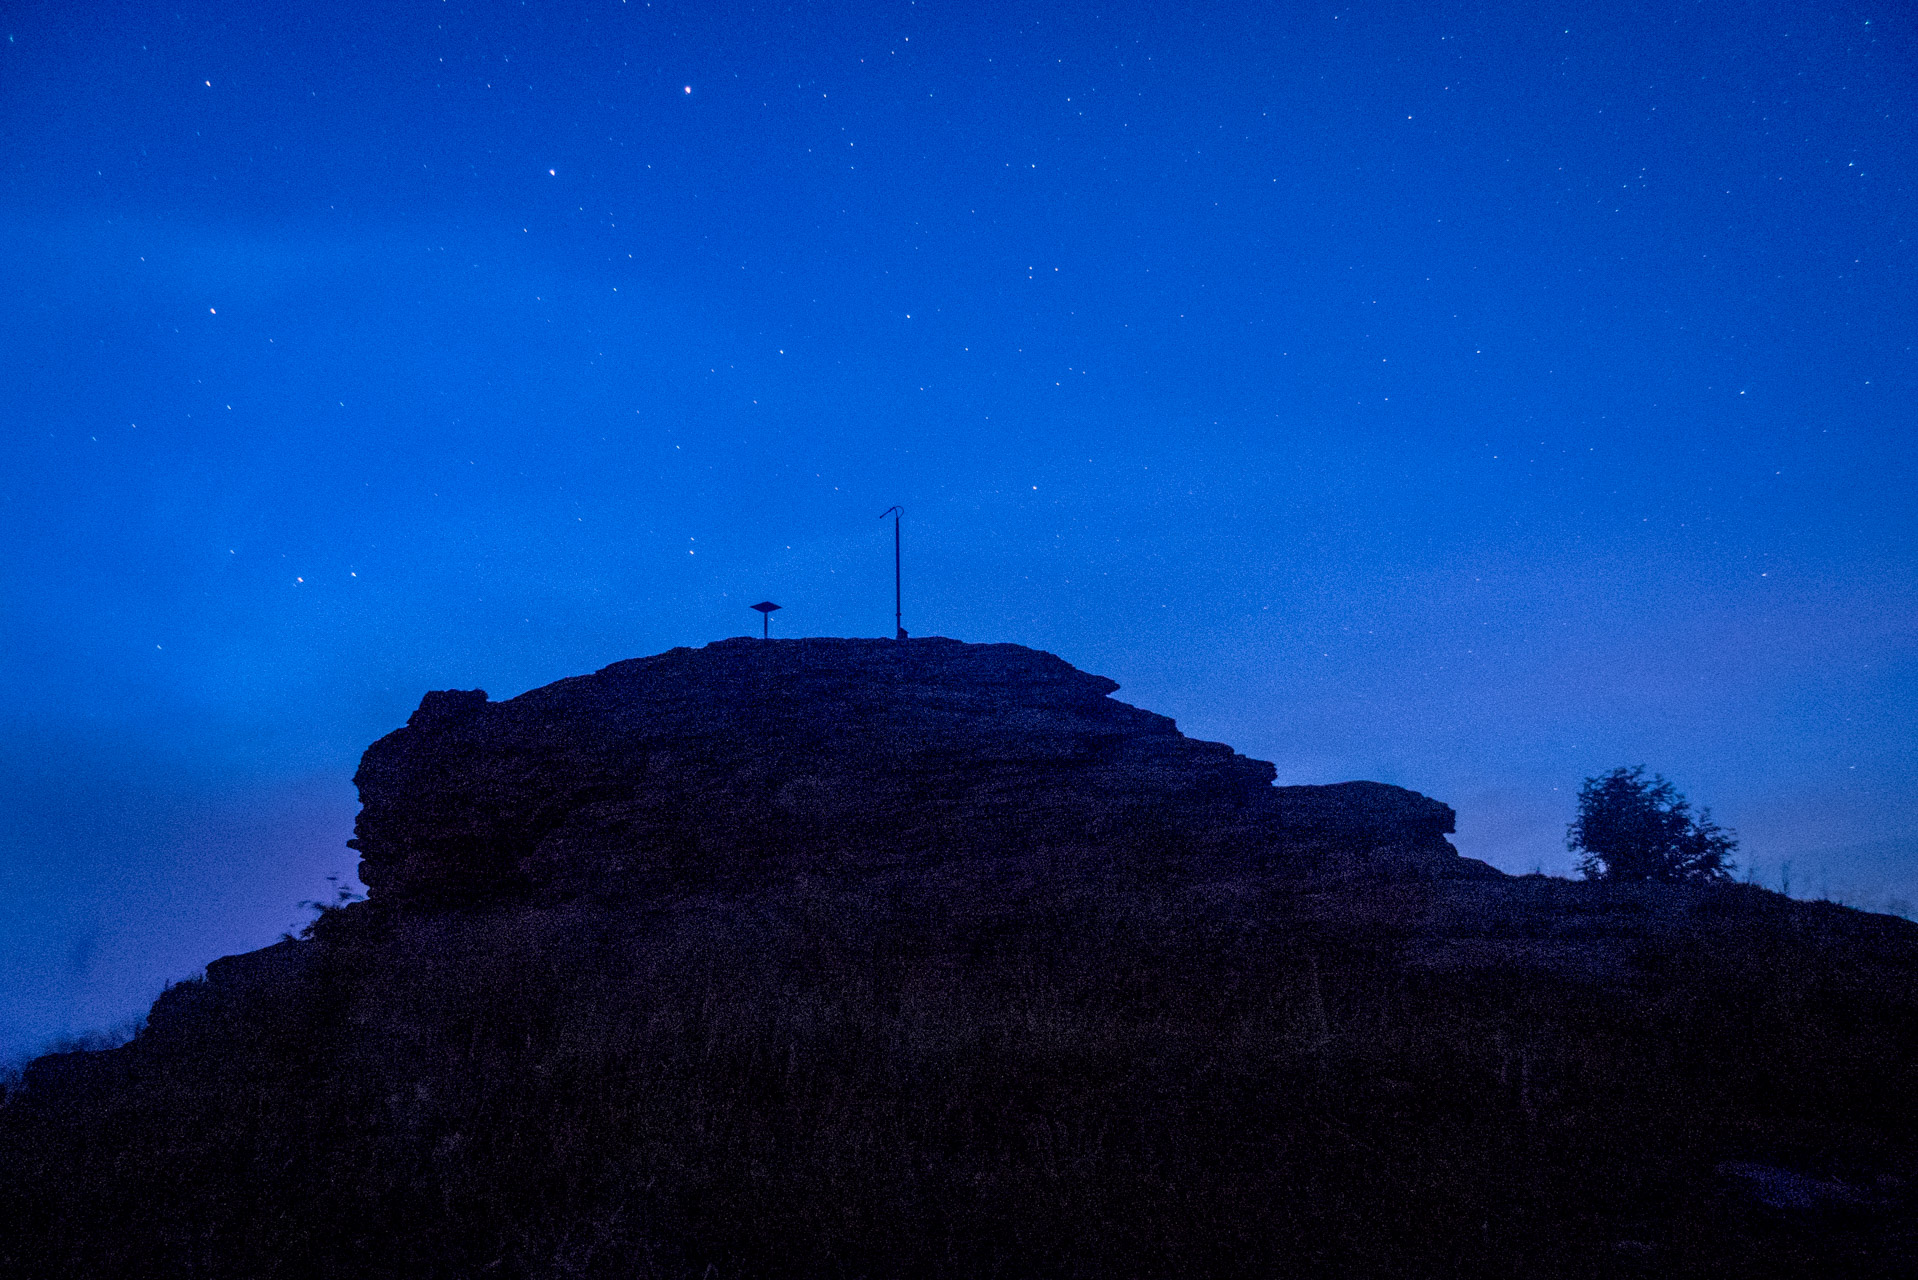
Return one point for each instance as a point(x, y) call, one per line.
point(765, 608)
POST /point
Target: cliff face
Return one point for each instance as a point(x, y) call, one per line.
point(750, 755)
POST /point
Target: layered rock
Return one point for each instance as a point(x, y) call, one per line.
point(748, 755)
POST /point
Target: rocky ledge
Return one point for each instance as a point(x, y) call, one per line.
point(749, 756)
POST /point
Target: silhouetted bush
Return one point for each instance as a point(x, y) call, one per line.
point(1631, 829)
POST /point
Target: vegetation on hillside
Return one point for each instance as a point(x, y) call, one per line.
point(946, 1077)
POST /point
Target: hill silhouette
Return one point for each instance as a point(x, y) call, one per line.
point(863, 958)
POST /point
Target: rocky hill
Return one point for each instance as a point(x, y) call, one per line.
point(863, 958)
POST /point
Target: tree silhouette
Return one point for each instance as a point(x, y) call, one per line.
point(1631, 829)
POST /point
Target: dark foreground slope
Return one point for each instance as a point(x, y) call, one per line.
point(1075, 997)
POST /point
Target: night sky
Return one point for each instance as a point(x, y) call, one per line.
point(1474, 397)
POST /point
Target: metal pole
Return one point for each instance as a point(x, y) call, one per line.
point(898, 619)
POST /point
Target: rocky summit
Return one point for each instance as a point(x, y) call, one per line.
point(848, 958)
point(750, 756)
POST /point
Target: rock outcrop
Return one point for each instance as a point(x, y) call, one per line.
point(749, 755)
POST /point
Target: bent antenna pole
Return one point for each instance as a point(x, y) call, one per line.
point(898, 625)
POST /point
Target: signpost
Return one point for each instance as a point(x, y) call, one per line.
point(765, 608)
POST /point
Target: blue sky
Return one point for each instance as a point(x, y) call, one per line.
point(1472, 397)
